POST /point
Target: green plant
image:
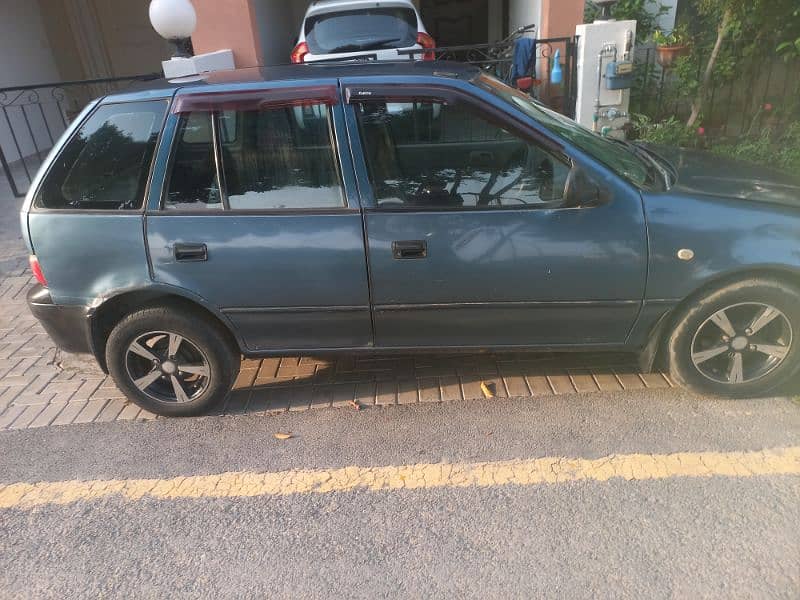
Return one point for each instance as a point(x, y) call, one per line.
point(670, 132)
point(677, 37)
point(780, 150)
point(645, 12)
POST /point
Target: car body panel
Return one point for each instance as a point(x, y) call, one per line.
point(87, 257)
point(283, 278)
point(533, 276)
point(727, 236)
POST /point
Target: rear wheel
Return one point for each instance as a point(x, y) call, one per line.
point(740, 341)
point(170, 362)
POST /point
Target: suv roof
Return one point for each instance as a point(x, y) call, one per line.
point(305, 72)
point(327, 5)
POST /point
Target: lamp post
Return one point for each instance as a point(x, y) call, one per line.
point(605, 9)
point(175, 21)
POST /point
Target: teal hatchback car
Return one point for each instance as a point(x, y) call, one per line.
point(392, 207)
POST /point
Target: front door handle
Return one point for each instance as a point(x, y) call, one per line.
point(410, 249)
point(191, 252)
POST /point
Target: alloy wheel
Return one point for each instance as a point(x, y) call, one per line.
point(167, 367)
point(742, 343)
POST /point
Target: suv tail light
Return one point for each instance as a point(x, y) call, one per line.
point(37, 270)
point(299, 53)
point(427, 42)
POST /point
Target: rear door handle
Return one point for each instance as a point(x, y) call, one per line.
point(411, 249)
point(191, 252)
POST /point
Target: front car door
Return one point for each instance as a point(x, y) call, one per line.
point(470, 243)
point(259, 216)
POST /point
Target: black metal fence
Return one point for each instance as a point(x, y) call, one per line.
point(32, 117)
point(763, 86)
point(498, 59)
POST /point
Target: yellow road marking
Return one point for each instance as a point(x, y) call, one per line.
point(631, 467)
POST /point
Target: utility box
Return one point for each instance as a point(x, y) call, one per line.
point(619, 75)
point(605, 74)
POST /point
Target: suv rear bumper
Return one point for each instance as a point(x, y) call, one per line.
point(68, 326)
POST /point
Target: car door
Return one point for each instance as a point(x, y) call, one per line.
point(260, 218)
point(470, 242)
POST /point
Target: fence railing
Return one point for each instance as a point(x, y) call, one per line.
point(735, 103)
point(32, 117)
point(498, 59)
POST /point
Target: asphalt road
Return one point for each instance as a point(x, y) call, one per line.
point(675, 536)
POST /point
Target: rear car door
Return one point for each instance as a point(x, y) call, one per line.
point(259, 216)
point(469, 241)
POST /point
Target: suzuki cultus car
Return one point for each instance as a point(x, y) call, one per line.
point(391, 207)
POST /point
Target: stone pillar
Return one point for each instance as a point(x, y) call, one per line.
point(560, 17)
point(228, 24)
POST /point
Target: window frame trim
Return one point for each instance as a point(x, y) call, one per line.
point(268, 99)
point(59, 150)
point(400, 92)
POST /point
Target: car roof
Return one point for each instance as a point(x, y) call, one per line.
point(157, 88)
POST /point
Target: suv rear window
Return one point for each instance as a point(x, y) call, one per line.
point(365, 29)
point(106, 164)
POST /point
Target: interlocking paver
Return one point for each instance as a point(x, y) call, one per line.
point(68, 414)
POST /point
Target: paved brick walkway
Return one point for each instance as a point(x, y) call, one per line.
point(40, 386)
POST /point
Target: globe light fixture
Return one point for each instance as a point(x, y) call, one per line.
point(175, 21)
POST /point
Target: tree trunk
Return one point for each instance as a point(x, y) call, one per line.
point(722, 33)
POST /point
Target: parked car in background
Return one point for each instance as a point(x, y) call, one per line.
point(385, 207)
point(361, 30)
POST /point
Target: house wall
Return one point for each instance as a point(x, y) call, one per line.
point(278, 26)
point(524, 12)
point(25, 58)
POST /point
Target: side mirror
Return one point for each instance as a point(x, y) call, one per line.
point(581, 191)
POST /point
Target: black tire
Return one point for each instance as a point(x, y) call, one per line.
point(203, 343)
point(695, 360)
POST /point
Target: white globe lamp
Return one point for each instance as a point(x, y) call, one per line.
point(175, 21)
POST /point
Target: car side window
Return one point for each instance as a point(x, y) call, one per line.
point(269, 159)
point(194, 181)
point(106, 164)
point(432, 155)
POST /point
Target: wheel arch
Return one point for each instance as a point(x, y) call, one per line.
point(105, 316)
point(654, 353)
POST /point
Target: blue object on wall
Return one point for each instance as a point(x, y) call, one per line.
point(557, 76)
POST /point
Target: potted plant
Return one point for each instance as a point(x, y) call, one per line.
point(670, 46)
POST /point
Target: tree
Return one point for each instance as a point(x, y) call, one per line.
point(758, 23)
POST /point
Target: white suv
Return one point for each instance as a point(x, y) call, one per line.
point(359, 29)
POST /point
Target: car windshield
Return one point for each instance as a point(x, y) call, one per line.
point(365, 29)
point(624, 159)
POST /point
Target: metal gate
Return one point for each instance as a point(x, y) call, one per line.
point(498, 59)
point(32, 117)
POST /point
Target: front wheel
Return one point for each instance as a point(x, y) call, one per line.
point(741, 340)
point(170, 362)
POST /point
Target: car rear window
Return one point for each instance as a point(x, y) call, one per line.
point(358, 30)
point(106, 164)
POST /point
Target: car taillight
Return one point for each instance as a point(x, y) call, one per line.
point(299, 53)
point(427, 42)
point(37, 270)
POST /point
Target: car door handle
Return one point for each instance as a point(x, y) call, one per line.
point(410, 249)
point(191, 252)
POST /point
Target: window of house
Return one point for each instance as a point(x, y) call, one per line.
point(281, 158)
point(429, 155)
point(105, 166)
